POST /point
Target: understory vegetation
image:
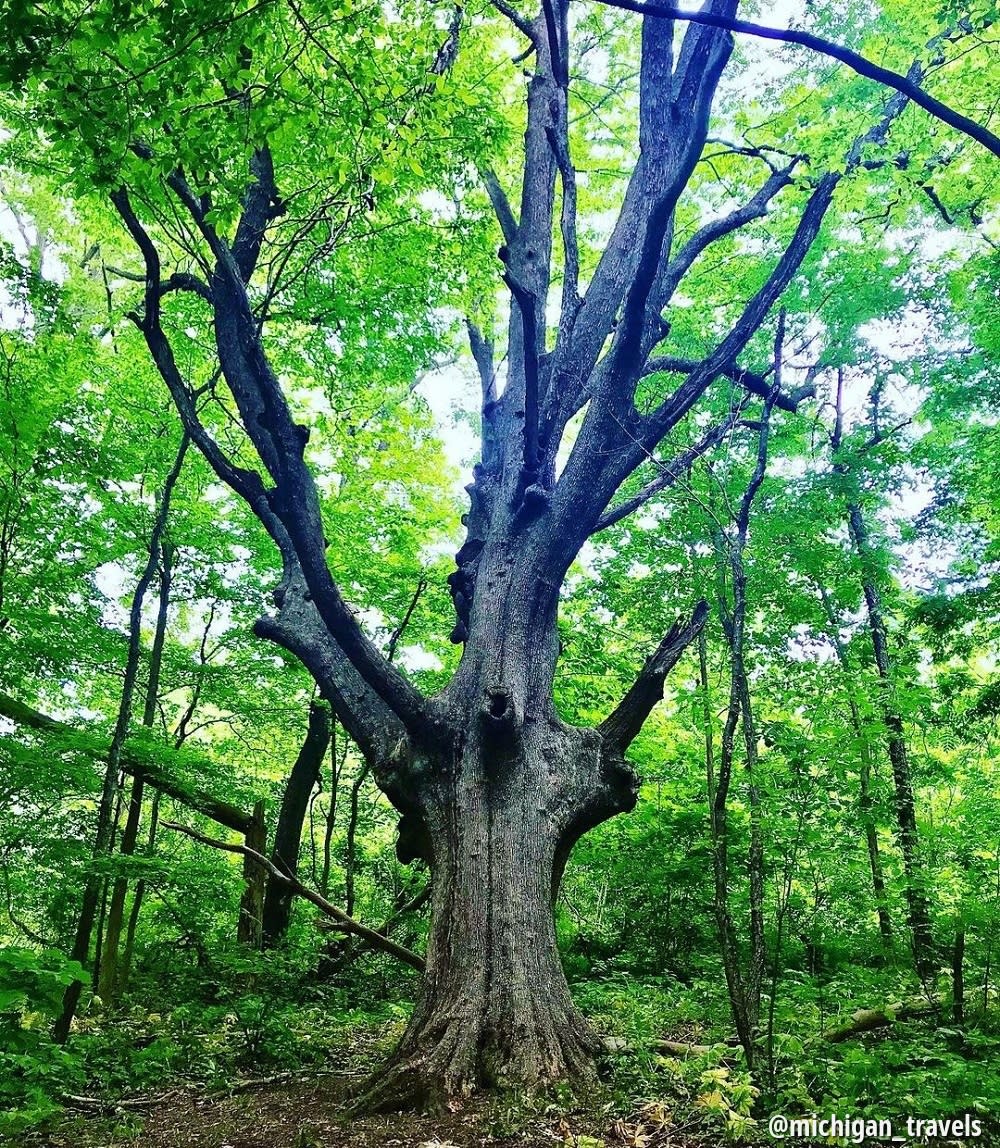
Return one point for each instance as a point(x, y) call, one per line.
point(636, 790)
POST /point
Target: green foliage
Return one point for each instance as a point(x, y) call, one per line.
point(382, 242)
point(33, 1070)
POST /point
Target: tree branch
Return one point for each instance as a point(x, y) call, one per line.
point(291, 511)
point(669, 473)
point(750, 381)
point(373, 938)
point(93, 746)
point(620, 727)
point(906, 85)
point(501, 205)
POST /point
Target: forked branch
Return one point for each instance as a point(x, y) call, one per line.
point(905, 85)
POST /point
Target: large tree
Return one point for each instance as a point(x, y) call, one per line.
point(256, 152)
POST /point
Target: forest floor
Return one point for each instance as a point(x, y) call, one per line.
point(314, 1113)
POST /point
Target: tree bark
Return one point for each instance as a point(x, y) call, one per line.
point(495, 1007)
point(288, 831)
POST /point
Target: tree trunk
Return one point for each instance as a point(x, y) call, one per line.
point(107, 962)
point(330, 819)
point(958, 977)
point(497, 804)
point(138, 897)
point(288, 832)
point(103, 837)
point(351, 854)
point(110, 980)
point(495, 1007)
point(918, 911)
point(744, 979)
point(865, 772)
point(248, 930)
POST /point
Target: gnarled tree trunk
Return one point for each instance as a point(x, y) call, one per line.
point(495, 1006)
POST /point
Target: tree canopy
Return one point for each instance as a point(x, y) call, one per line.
point(660, 752)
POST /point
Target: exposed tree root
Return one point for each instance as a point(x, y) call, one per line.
point(432, 1067)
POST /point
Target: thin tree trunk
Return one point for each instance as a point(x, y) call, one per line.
point(109, 974)
point(288, 832)
point(745, 987)
point(109, 792)
point(718, 819)
point(865, 772)
point(958, 976)
point(351, 855)
point(331, 809)
point(918, 912)
point(138, 896)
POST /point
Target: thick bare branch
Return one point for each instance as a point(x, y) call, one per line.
point(501, 205)
point(482, 353)
point(291, 510)
point(908, 85)
point(676, 268)
point(674, 112)
point(298, 628)
point(620, 727)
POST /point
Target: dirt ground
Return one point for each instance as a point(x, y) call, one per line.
point(306, 1114)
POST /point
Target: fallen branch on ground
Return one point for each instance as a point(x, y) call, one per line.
point(371, 936)
point(110, 1107)
point(869, 1019)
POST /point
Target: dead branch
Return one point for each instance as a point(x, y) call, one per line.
point(371, 936)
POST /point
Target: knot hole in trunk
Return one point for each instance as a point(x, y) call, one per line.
point(499, 719)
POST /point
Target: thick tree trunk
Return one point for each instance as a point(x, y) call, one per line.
point(499, 821)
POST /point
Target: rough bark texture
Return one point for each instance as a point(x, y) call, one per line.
point(495, 1007)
